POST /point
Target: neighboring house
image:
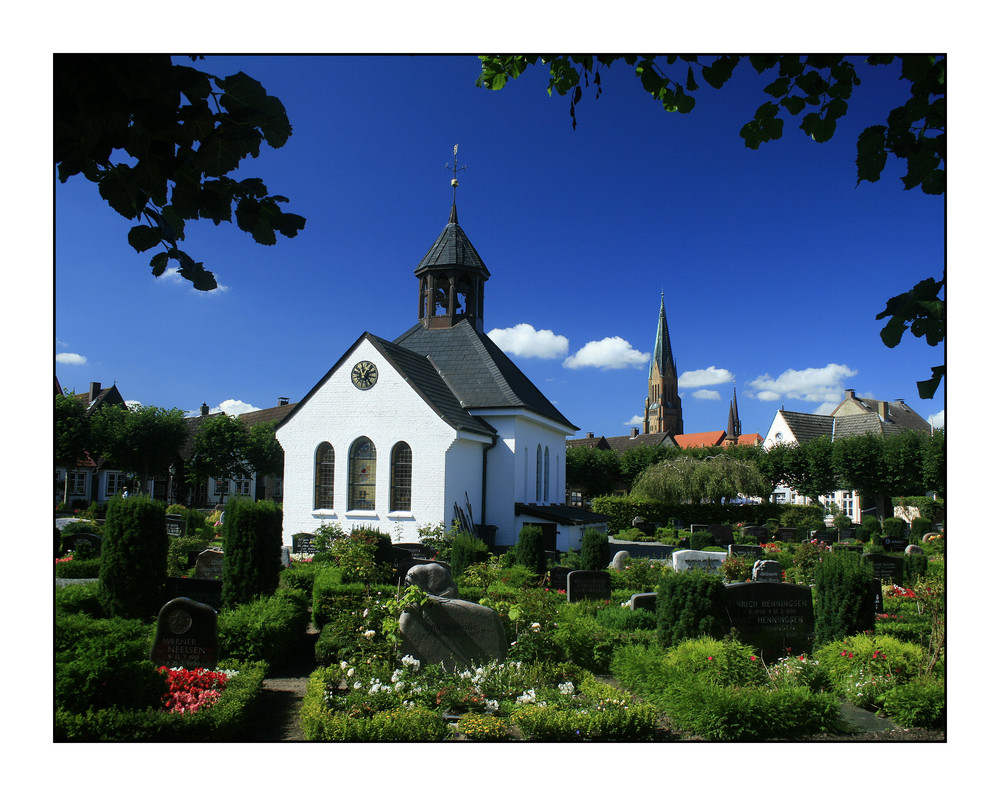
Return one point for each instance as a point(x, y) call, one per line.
point(216, 491)
point(437, 426)
point(91, 480)
point(853, 417)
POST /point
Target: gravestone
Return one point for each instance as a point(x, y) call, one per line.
point(913, 550)
point(71, 542)
point(304, 544)
point(618, 562)
point(412, 550)
point(176, 525)
point(927, 537)
point(434, 578)
point(754, 551)
point(772, 617)
point(787, 534)
point(885, 567)
point(202, 590)
point(644, 526)
point(853, 548)
point(695, 528)
point(286, 558)
point(826, 536)
point(698, 559)
point(557, 578)
point(585, 584)
point(646, 601)
point(721, 534)
point(187, 635)
point(767, 571)
point(455, 633)
point(404, 565)
point(209, 564)
point(758, 532)
point(893, 544)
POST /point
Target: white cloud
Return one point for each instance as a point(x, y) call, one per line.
point(233, 407)
point(704, 377)
point(133, 405)
point(937, 419)
point(826, 408)
point(527, 341)
point(611, 353)
point(172, 276)
point(811, 384)
point(637, 420)
point(71, 359)
point(707, 395)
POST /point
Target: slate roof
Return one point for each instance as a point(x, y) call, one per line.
point(858, 425)
point(624, 443)
point(480, 375)
point(453, 247)
point(805, 426)
point(564, 515)
point(601, 443)
point(898, 414)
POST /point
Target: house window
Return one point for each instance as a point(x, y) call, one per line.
point(361, 486)
point(546, 473)
point(401, 477)
point(538, 474)
point(241, 486)
point(324, 477)
point(221, 486)
point(114, 484)
point(77, 483)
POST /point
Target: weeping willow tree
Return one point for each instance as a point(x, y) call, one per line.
point(696, 480)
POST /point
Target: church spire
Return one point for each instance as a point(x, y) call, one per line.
point(663, 357)
point(733, 428)
point(663, 404)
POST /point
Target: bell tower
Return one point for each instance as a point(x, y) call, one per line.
point(663, 405)
point(452, 276)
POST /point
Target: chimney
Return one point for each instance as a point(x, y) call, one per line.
point(282, 402)
point(901, 401)
point(634, 434)
point(590, 435)
point(849, 394)
point(204, 410)
point(883, 409)
point(95, 390)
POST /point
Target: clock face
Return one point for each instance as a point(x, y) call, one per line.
point(364, 375)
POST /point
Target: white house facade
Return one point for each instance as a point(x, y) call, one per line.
point(436, 427)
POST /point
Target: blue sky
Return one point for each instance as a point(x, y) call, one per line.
point(773, 263)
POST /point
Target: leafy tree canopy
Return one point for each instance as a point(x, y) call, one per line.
point(687, 479)
point(143, 440)
point(219, 450)
point(159, 140)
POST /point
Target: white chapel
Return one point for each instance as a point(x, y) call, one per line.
point(436, 426)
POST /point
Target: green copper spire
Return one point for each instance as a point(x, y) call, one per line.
point(663, 357)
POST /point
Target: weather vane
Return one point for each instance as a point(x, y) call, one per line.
point(454, 169)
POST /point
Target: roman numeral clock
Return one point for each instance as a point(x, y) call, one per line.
point(364, 375)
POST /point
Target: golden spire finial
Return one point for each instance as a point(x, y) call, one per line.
point(455, 169)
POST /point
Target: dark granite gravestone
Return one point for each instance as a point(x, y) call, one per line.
point(644, 526)
point(767, 571)
point(304, 544)
point(886, 567)
point(286, 560)
point(892, 544)
point(74, 540)
point(754, 551)
point(209, 564)
point(645, 601)
point(758, 532)
point(557, 578)
point(454, 633)
point(787, 534)
point(772, 617)
point(853, 548)
point(176, 525)
point(187, 634)
point(695, 528)
point(434, 578)
point(722, 535)
point(404, 550)
point(202, 590)
point(585, 584)
point(826, 536)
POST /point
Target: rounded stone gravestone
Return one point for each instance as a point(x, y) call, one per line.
point(913, 550)
point(618, 562)
point(435, 579)
point(186, 635)
point(454, 633)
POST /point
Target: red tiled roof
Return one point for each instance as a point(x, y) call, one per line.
point(702, 439)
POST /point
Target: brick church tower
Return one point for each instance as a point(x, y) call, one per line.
point(663, 404)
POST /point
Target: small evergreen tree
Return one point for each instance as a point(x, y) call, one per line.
point(690, 604)
point(530, 549)
point(133, 569)
point(466, 550)
point(595, 551)
point(844, 597)
point(252, 540)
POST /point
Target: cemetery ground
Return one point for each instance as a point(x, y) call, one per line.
point(356, 639)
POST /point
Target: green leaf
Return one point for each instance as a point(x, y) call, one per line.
point(793, 104)
point(778, 88)
point(142, 238)
point(871, 153)
point(927, 388)
point(159, 263)
point(117, 187)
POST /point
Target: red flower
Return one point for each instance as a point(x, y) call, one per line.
point(710, 657)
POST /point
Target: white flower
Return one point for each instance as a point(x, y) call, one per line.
point(350, 672)
point(369, 634)
point(400, 685)
point(409, 660)
point(535, 626)
point(566, 688)
point(527, 696)
point(357, 685)
point(343, 665)
point(492, 705)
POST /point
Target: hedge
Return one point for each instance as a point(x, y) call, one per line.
point(622, 510)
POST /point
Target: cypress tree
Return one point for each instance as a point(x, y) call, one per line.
point(133, 571)
point(530, 549)
point(690, 604)
point(844, 597)
point(252, 539)
point(595, 551)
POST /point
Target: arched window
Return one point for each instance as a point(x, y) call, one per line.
point(538, 474)
point(401, 477)
point(361, 484)
point(546, 473)
point(324, 477)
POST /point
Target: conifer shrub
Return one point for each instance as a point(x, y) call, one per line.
point(870, 527)
point(699, 540)
point(690, 604)
point(914, 566)
point(530, 549)
point(844, 597)
point(252, 539)
point(268, 629)
point(919, 527)
point(133, 569)
point(894, 527)
point(595, 551)
point(467, 550)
